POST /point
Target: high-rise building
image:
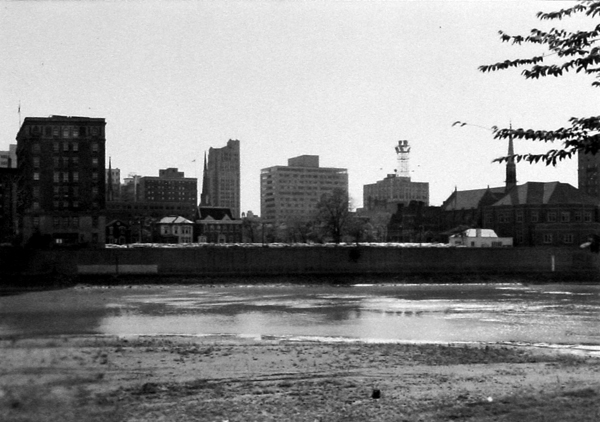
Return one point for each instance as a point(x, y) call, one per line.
point(221, 181)
point(8, 159)
point(397, 188)
point(61, 188)
point(8, 204)
point(293, 191)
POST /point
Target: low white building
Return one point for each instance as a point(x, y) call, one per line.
point(175, 229)
point(479, 238)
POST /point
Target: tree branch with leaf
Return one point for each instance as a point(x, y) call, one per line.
point(577, 51)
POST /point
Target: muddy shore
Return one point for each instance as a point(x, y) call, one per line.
point(228, 379)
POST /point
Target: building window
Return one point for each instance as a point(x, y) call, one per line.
point(36, 192)
point(535, 216)
point(36, 162)
point(94, 161)
point(568, 238)
point(587, 217)
point(547, 238)
point(66, 132)
point(35, 148)
point(519, 237)
point(489, 219)
point(551, 217)
point(519, 216)
point(36, 175)
point(75, 133)
point(76, 176)
point(55, 222)
point(75, 146)
point(577, 216)
point(55, 146)
point(565, 217)
point(36, 221)
point(65, 146)
point(94, 146)
point(55, 130)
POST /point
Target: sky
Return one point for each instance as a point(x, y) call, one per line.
point(344, 80)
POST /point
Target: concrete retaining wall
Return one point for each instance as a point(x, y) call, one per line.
point(239, 261)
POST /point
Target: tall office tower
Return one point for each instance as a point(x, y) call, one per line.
point(397, 188)
point(8, 159)
point(61, 189)
point(293, 191)
point(588, 175)
point(221, 181)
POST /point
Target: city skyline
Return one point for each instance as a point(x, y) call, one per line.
point(344, 81)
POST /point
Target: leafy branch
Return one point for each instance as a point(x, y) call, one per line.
point(580, 53)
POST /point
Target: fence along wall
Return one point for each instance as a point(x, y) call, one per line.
point(218, 261)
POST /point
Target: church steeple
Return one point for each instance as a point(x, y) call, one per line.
point(204, 196)
point(511, 167)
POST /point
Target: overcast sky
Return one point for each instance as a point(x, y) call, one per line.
point(344, 80)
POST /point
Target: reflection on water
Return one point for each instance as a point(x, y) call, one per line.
point(430, 313)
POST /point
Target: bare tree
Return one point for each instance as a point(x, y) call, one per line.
point(333, 213)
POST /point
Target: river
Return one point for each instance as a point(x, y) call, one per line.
point(554, 315)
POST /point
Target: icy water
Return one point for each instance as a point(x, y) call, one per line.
point(548, 314)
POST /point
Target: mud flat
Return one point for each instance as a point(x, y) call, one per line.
point(232, 379)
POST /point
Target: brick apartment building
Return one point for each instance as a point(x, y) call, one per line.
point(61, 187)
point(169, 193)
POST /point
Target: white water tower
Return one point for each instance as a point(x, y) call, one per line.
point(402, 153)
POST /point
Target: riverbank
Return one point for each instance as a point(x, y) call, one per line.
point(17, 284)
point(231, 379)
